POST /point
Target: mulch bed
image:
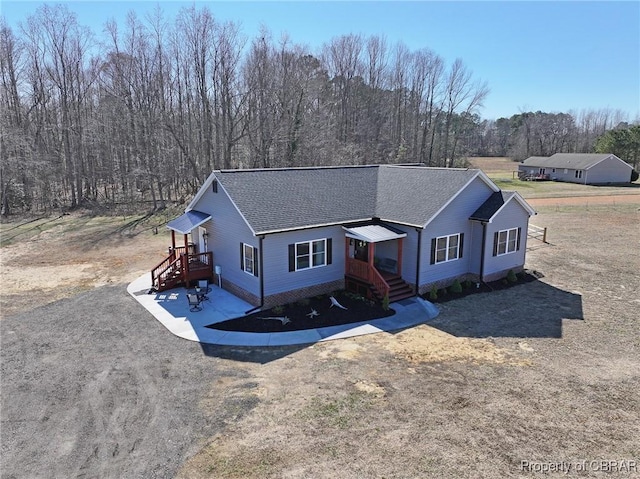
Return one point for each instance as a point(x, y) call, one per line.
point(445, 294)
point(358, 309)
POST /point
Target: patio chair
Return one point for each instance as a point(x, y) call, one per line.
point(194, 302)
point(203, 284)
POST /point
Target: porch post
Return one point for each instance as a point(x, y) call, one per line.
point(346, 255)
point(173, 245)
point(372, 251)
point(185, 260)
point(400, 256)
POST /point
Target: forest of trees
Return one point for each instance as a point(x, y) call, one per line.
point(146, 110)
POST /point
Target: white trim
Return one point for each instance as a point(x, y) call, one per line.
point(520, 200)
point(310, 254)
point(506, 244)
point(202, 190)
point(253, 259)
point(446, 249)
point(482, 176)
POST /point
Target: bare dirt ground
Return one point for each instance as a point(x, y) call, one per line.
point(92, 386)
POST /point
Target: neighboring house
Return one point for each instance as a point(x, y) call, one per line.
point(278, 235)
point(584, 168)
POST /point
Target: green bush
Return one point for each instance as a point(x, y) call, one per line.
point(511, 277)
point(468, 284)
point(278, 309)
point(433, 294)
point(456, 287)
point(385, 302)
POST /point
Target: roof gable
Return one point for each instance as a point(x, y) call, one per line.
point(496, 202)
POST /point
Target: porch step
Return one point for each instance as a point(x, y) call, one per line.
point(398, 289)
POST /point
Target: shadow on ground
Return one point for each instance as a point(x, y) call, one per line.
point(251, 354)
point(532, 310)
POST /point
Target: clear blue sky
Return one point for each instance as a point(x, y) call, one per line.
point(543, 55)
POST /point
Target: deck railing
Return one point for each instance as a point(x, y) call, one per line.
point(185, 268)
point(364, 271)
point(164, 268)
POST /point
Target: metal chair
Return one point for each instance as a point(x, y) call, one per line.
point(203, 284)
point(194, 302)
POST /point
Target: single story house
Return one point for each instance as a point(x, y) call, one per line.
point(584, 168)
point(272, 236)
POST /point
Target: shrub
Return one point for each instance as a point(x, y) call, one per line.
point(278, 309)
point(468, 284)
point(456, 287)
point(634, 175)
point(433, 294)
point(511, 277)
point(304, 302)
point(385, 302)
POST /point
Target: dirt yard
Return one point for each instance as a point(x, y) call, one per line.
point(546, 372)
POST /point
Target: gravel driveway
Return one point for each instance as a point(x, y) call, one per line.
point(93, 386)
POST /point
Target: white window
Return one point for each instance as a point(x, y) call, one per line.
point(249, 258)
point(506, 241)
point(447, 248)
point(311, 254)
point(578, 173)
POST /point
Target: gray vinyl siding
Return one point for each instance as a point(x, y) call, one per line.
point(409, 252)
point(567, 175)
point(610, 170)
point(475, 248)
point(453, 219)
point(513, 215)
point(278, 278)
point(227, 229)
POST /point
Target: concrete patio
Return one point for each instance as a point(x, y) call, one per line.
point(171, 308)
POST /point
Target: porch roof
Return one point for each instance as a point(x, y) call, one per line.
point(185, 223)
point(373, 233)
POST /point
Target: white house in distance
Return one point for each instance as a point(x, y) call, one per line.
point(583, 168)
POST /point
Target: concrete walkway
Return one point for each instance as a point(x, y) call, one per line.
point(172, 310)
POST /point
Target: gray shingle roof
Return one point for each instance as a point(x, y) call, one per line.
point(574, 161)
point(492, 205)
point(284, 199)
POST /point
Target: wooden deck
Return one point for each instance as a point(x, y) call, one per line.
point(182, 269)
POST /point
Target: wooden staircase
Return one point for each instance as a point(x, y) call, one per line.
point(182, 270)
point(398, 288)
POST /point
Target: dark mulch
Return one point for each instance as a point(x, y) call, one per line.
point(446, 295)
point(358, 309)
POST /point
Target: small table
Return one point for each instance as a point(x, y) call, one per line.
point(201, 294)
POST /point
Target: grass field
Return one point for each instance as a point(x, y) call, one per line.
point(503, 171)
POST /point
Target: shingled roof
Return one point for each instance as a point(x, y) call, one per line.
point(491, 206)
point(287, 199)
point(574, 161)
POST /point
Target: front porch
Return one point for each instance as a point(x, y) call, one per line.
point(184, 265)
point(371, 274)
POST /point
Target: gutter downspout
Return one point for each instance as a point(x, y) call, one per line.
point(484, 243)
point(419, 230)
point(261, 271)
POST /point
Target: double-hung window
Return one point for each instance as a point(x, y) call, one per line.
point(446, 248)
point(309, 254)
point(249, 259)
point(506, 241)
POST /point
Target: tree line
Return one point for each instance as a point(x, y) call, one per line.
point(146, 110)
